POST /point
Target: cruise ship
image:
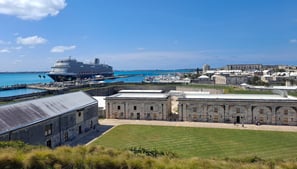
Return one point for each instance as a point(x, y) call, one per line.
point(70, 69)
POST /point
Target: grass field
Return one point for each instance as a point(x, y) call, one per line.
point(204, 142)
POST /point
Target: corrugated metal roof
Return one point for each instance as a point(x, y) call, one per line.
point(140, 91)
point(25, 113)
point(240, 97)
point(139, 95)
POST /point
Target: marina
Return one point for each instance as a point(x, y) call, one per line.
point(33, 82)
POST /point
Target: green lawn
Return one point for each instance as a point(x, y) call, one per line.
point(204, 142)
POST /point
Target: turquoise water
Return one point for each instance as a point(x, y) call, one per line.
point(9, 79)
point(135, 76)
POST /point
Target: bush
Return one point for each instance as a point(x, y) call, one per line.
point(152, 153)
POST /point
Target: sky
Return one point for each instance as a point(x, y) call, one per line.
point(147, 34)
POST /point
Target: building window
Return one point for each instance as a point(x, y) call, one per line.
point(91, 124)
point(261, 111)
point(215, 109)
point(122, 114)
point(237, 110)
point(135, 108)
point(80, 112)
point(119, 107)
point(66, 136)
point(152, 108)
point(286, 112)
point(132, 114)
point(49, 143)
point(195, 109)
point(48, 129)
point(79, 130)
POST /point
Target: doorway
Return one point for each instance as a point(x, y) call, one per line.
point(138, 116)
point(49, 143)
point(237, 119)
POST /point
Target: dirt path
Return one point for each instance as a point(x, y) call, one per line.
point(115, 122)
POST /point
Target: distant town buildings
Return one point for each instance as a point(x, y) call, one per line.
point(254, 74)
point(205, 68)
point(244, 67)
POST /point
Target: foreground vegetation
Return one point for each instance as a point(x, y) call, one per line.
point(187, 142)
point(18, 155)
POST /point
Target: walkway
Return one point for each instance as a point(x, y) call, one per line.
point(115, 122)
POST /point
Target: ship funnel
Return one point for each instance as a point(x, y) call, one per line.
point(97, 61)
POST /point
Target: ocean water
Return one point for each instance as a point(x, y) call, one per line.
point(136, 76)
point(8, 79)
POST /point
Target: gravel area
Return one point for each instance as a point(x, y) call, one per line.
point(115, 122)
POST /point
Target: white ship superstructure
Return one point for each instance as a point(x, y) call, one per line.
point(70, 69)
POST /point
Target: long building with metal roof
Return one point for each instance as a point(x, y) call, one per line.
point(203, 107)
point(238, 108)
point(50, 121)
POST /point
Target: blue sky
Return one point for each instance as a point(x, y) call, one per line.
point(147, 34)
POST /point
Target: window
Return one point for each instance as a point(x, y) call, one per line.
point(152, 108)
point(286, 112)
point(48, 129)
point(80, 111)
point(135, 108)
point(49, 143)
point(66, 136)
point(215, 109)
point(195, 109)
point(132, 114)
point(261, 111)
point(79, 130)
point(119, 107)
point(237, 110)
point(122, 114)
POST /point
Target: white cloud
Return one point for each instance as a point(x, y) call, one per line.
point(31, 40)
point(293, 41)
point(4, 51)
point(31, 9)
point(61, 49)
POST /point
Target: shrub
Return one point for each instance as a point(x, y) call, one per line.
point(152, 153)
